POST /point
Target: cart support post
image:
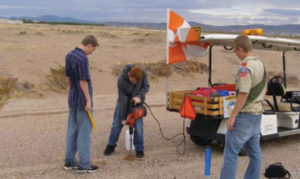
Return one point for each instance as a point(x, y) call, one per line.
point(210, 66)
point(284, 68)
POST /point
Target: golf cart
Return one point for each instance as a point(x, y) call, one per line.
point(281, 117)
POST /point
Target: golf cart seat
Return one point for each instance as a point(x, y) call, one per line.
point(290, 101)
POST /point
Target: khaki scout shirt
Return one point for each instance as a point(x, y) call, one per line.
point(249, 75)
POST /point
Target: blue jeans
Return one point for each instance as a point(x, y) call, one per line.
point(246, 133)
point(78, 138)
point(138, 139)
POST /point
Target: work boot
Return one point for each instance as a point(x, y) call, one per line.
point(109, 149)
point(139, 154)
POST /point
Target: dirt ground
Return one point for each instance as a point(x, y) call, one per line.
point(32, 128)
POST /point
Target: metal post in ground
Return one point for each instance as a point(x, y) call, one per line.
point(207, 162)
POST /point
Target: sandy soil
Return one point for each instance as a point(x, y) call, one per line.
point(33, 129)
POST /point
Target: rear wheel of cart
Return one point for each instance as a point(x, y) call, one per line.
point(200, 141)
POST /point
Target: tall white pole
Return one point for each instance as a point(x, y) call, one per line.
point(167, 56)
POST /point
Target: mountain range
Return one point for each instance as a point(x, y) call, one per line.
point(288, 29)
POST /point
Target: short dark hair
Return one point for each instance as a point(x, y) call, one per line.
point(90, 39)
point(244, 42)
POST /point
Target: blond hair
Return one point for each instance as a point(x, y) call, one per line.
point(243, 42)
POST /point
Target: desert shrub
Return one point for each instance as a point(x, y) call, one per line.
point(39, 33)
point(56, 79)
point(4, 94)
point(139, 40)
point(10, 86)
point(148, 38)
point(22, 33)
point(107, 34)
point(191, 67)
point(292, 79)
point(136, 33)
point(148, 34)
point(161, 69)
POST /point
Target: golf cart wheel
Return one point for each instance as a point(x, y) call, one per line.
point(200, 141)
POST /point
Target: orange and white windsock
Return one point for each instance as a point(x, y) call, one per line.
point(182, 40)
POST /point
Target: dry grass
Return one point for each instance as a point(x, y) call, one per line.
point(68, 31)
point(292, 79)
point(57, 80)
point(22, 33)
point(161, 69)
point(32, 32)
point(4, 91)
point(11, 86)
point(106, 34)
point(147, 37)
point(39, 33)
point(142, 40)
point(190, 67)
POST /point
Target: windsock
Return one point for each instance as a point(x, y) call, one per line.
point(183, 41)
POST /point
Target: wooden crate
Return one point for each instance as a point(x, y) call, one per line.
point(208, 106)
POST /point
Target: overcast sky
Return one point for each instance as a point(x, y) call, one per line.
point(213, 12)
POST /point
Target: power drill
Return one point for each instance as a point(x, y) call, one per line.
point(136, 112)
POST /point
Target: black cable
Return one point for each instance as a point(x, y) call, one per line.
point(171, 138)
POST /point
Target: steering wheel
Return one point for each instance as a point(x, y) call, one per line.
point(277, 79)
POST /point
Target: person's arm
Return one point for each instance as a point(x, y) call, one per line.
point(123, 100)
point(84, 88)
point(84, 76)
point(240, 102)
point(244, 83)
point(68, 82)
point(67, 72)
point(143, 90)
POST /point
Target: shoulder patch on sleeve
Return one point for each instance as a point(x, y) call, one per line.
point(243, 72)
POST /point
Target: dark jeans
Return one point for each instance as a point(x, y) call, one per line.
point(117, 126)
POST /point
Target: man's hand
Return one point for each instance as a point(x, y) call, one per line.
point(136, 100)
point(230, 123)
point(240, 102)
point(124, 122)
point(88, 106)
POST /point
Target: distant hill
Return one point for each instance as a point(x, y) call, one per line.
point(8, 21)
point(52, 18)
point(289, 29)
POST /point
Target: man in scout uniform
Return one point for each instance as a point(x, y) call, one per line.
point(243, 126)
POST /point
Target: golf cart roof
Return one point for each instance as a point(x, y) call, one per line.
point(259, 42)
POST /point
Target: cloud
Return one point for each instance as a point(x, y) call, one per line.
point(218, 12)
point(22, 7)
point(283, 12)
